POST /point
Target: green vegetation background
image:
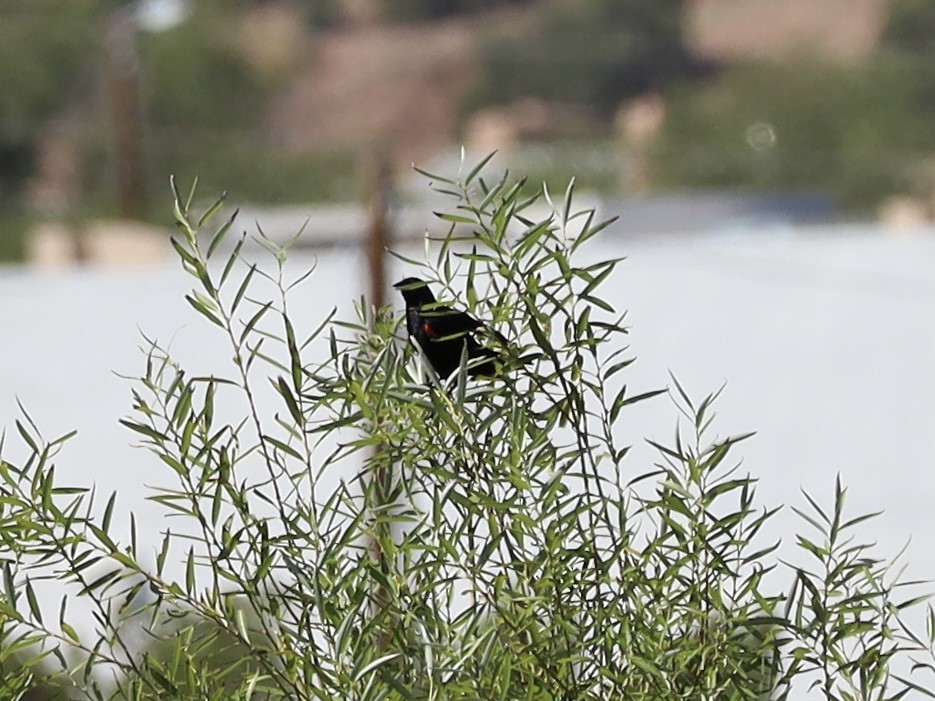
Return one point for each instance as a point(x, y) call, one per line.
point(859, 132)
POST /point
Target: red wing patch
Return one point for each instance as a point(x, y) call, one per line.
point(428, 330)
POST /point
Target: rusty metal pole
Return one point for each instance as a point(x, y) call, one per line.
point(124, 94)
point(378, 229)
point(379, 195)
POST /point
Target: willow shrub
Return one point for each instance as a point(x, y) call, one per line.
point(382, 535)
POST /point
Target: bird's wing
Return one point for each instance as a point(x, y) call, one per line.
point(441, 321)
point(444, 322)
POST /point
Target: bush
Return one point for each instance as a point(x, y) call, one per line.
point(46, 49)
point(47, 57)
point(910, 27)
point(206, 111)
point(596, 53)
point(485, 540)
point(860, 133)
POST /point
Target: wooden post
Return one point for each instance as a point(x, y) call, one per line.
point(378, 229)
point(379, 195)
point(123, 89)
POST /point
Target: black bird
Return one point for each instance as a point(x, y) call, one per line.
point(442, 332)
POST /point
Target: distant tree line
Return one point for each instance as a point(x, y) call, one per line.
point(861, 132)
point(594, 53)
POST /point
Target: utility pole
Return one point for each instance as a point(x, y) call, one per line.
point(124, 94)
point(378, 229)
point(379, 195)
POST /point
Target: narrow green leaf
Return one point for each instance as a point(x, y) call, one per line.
point(200, 305)
point(144, 430)
point(617, 367)
point(242, 290)
point(366, 669)
point(254, 320)
point(58, 441)
point(590, 232)
point(8, 585)
point(176, 195)
point(191, 195)
point(70, 633)
point(232, 258)
point(190, 572)
point(100, 585)
point(287, 449)
point(295, 359)
point(24, 434)
point(290, 400)
point(33, 603)
point(569, 194)
point(478, 168)
point(183, 252)
point(163, 552)
point(454, 218)
point(108, 512)
point(430, 176)
point(211, 211)
point(221, 234)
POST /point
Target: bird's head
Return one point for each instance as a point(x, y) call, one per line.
point(415, 291)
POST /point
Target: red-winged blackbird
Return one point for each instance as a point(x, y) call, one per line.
point(442, 332)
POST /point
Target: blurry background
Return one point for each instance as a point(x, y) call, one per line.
point(825, 107)
point(772, 162)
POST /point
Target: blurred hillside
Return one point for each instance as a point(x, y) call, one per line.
point(282, 100)
point(735, 30)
